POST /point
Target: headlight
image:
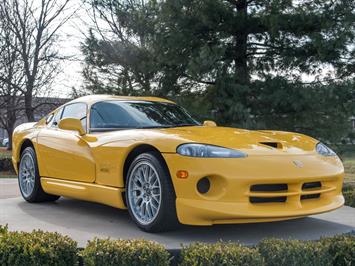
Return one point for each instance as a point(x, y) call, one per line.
point(208, 151)
point(322, 149)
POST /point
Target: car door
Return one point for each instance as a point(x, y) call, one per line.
point(65, 154)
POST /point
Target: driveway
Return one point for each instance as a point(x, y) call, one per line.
point(9, 188)
point(84, 221)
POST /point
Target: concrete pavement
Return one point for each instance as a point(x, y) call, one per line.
point(84, 221)
point(9, 188)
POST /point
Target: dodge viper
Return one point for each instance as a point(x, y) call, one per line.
point(150, 156)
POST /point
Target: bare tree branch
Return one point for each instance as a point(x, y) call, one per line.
point(35, 25)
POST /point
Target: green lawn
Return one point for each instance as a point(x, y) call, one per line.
point(7, 175)
point(2, 175)
point(349, 165)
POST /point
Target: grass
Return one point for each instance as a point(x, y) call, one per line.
point(7, 175)
point(348, 158)
point(349, 165)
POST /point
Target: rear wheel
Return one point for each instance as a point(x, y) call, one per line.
point(150, 194)
point(29, 179)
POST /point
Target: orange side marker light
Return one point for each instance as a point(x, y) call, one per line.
point(182, 174)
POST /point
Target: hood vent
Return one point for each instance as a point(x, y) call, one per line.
point(276, 145)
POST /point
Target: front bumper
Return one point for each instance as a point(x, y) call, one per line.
point(229, 199)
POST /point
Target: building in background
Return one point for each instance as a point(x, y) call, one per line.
point(43, 105)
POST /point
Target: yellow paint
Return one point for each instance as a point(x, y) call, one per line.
point(231, 179)
point(90, 167)
point(72, 124)
point(85, 191)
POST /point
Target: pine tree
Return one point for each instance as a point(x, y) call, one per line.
point(244, 61)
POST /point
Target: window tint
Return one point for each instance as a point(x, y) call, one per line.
point(76, 110)
point(138, 114)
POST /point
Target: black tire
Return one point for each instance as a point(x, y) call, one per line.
point(166, 219)
point(37, 194)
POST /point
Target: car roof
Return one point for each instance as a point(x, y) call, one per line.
point(91, 99)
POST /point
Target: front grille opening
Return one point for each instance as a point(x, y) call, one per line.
point(310, 196)
point(269, 187)
point(276, 145)
point(267, 200)
point(311, 185)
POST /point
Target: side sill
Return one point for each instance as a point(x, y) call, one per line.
point(110, 196)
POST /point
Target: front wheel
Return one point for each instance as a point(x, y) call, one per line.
point(150, 194)
point(29, 179)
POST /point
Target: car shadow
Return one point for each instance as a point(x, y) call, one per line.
point(85, 220)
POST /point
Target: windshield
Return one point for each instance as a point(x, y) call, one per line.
point(111, 115)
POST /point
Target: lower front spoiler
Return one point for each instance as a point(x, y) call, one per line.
point(204, 212)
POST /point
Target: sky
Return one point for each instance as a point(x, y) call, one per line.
point(70, 36)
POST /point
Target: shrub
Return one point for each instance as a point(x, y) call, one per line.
point(219, 254)
point(3, 229)
point(124, 252)
point(277, 252)
point(6, 165)
point(42, 248)
point(341, 249)
point(36, 248)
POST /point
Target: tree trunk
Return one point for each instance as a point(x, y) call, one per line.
point(10, 131)
point(11, 118)
point(28, 107)
point(241, 39)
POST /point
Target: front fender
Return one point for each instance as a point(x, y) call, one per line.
point(23, 133)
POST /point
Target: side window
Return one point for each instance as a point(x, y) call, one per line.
point(56, 118)
point(49, 118)
point(76, 110)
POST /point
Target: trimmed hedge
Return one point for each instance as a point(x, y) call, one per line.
point(337, 250)
point(277, 252)
point(125, 252)
point(43, 248)
point(36, 248)
point(219, 254)
point(341, 249)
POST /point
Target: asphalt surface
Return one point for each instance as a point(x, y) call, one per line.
point(83, 221)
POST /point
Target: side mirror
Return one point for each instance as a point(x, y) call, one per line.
point(72, 124)
point(209, 123)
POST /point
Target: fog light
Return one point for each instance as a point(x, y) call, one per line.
point(203, 185)
point(182, 174)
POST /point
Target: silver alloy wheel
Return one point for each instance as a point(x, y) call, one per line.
point(144, 192)
point(27, 175)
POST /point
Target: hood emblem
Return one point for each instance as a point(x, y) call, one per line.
point(298, 163)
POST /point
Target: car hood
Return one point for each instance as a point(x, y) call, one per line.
point(250, 141)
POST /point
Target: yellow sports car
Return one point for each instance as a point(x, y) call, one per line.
point(150, 156)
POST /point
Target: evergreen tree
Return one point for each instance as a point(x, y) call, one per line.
point(243, 61)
